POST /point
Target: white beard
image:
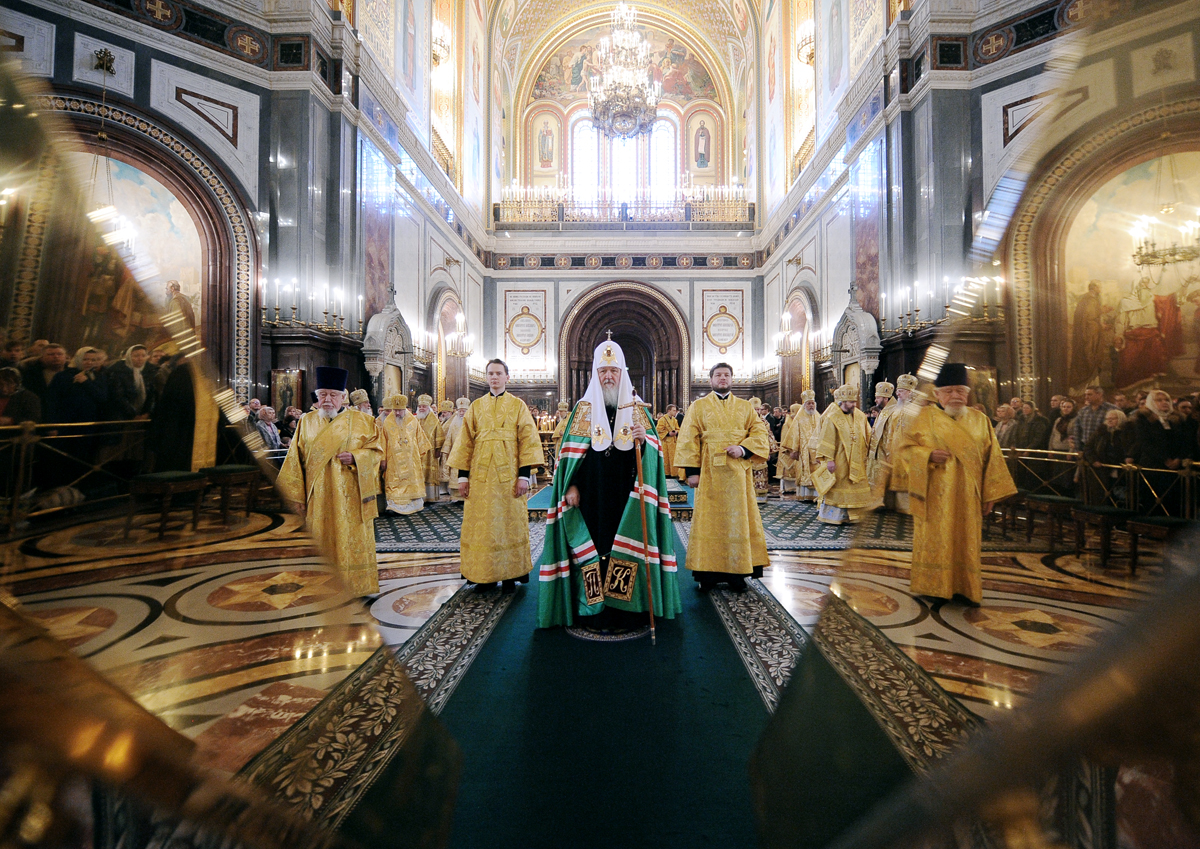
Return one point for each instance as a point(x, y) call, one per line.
point(955, 412)
point(421, 415)
point(611, 395)
point(327, 414)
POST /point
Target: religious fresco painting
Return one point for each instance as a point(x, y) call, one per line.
point(412, 61)
point(866, 30)
point(832, 65)
point(377, 25)
point(504, 16)
point(673, 63)
point(776, 184)
point(544, 147)
point(865, 177)
point(702, 142)
point(741, 16)
point(116, 312)
point(1130, 330)
point(376, 211)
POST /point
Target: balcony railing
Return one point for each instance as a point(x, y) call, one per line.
point(709, 208)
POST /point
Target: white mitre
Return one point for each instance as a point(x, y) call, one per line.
point(609, 353)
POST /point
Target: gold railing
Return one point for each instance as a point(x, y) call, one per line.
point(1147, 491)
point(443, 156)
point(804, 154)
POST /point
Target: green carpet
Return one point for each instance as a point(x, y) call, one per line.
point(576, 744)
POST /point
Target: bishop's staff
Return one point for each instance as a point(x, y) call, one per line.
point(637, 454)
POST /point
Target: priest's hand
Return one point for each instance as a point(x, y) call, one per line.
point(737, 452)
point(832, 466)
point(795, 455)
point(639, 433)
point(520, 487)
point(693, 481)
point(572, 496)
point(298, 507)
point(464, 487)
point(987, 508)
point(939, 456)
point(346, 458)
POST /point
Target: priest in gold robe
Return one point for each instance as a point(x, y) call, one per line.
point(785, 466)
point(495, 452)
point(956, 473)
point(435, 436)
point(667, 428)
point(453, 429)
point(759, 465)
point(720, 439)
point(908, 403)
point(405, 448)
point(331, 477)
point(562, 415)
point(879, 452)
point(840, 474)
point(803, 446)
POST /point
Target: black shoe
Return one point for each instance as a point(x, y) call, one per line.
point(706, 584)
point(508, 587)
point(483, 588)
point(524, 579)
point(737, 584)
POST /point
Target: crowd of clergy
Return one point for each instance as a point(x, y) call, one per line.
point(609, 548)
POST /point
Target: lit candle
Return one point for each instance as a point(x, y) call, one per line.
point(277, 293)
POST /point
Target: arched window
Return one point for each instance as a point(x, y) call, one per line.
point(664, 161)
point(624, 169)
point(585, 161)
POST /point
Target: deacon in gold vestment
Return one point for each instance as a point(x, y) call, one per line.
point(840, 474)
point(956, 473)
point(667, 428)
point(720, 438)
point(563, 414)
point(761, 483)
point(434, 433)
point(785, 466)
point(331, 476)
point(495, 450)
point(879, 453)
point(908, 404)
point(453, 429)
point(405, 448)
point(803, 445)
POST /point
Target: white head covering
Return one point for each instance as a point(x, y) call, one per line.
point(609, 353)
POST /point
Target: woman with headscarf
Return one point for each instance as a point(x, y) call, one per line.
point(131, 385)
point(1159, 444)
point(1060, 440)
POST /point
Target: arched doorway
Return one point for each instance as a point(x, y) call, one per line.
point(650, 330)
point(450, 380)
point(794, 372)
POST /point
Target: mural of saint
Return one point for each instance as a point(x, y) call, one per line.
point(836, 40)
point(410, 44)
point(546, 146)
point(740, 16)
point(1087, 337)
point(1139, 336)
point(506, 13)
point(771, 71)
point(581, 68)
point(702, 145)
point(475, 69)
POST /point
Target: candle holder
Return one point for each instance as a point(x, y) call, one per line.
point(917, 321)
point(264, 316)
point(325, 320)
point(277, 315)
point(293, 320)
point(360, 328)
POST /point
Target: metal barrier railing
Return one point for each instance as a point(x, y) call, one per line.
point(1148, 491)
point(96, 458)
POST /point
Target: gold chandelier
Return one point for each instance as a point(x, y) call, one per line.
point(1147, 254)
point(622, 96)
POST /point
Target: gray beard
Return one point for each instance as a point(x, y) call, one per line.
point(955, 412)
point(328, 414)
point(611, 395)
point(422, 415)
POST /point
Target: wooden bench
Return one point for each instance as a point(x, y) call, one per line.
point(1155, 527)
point(230, 477)
point(1057, 509)
point(164, 486)
point(1106, 519)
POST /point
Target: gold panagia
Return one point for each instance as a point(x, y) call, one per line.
point(727, 532)
point(947, 499)
point(339, 499)
point(406, 447)
point(497, 438)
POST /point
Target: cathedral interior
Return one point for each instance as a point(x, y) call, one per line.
point(817, 193)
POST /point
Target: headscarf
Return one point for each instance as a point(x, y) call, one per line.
point(1153, 407)
point(609, 353)
point(139, 384)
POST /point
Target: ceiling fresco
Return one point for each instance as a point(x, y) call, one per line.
point(673, 63)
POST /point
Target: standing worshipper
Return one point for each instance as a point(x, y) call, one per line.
point(494, 452)
point(908, 403)
point(436, 436)
point(879, 452)
point(331, 477)
point(721, 436)
point(667, 428)
point(131, 388)
point(956, 473)
point(841, 461)
point(405, 446)
point(453, 429)
point(265, 425)
point(593, 565)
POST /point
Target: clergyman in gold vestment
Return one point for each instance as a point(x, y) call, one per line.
point(453, 429)
point(432, 426)
point(785, 466)
point(405, 447)
point(908, 403)
point(331, 476)
point(879, 453)
point(956, 473)
point(840, 474)
point(495, 450)
point(803, 447)
point(720, 439)
point(667, 428)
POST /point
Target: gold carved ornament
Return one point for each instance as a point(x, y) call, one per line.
point(723, 315)
point(525, 317)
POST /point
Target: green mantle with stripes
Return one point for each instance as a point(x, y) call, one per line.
point(563, 592)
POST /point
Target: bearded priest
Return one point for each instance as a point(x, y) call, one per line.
point(594, 564)
point(436, 435)
point(331, 477)
point(721, 438)
point(405, 447)
point(494, 453)
point(840, 474)
point(956, 473)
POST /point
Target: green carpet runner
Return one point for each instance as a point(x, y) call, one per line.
point(568, 743)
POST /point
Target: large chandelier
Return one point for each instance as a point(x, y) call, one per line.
point(622, 96)
point(1147, 253)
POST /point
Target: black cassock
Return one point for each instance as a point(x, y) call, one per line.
point(605, 479)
